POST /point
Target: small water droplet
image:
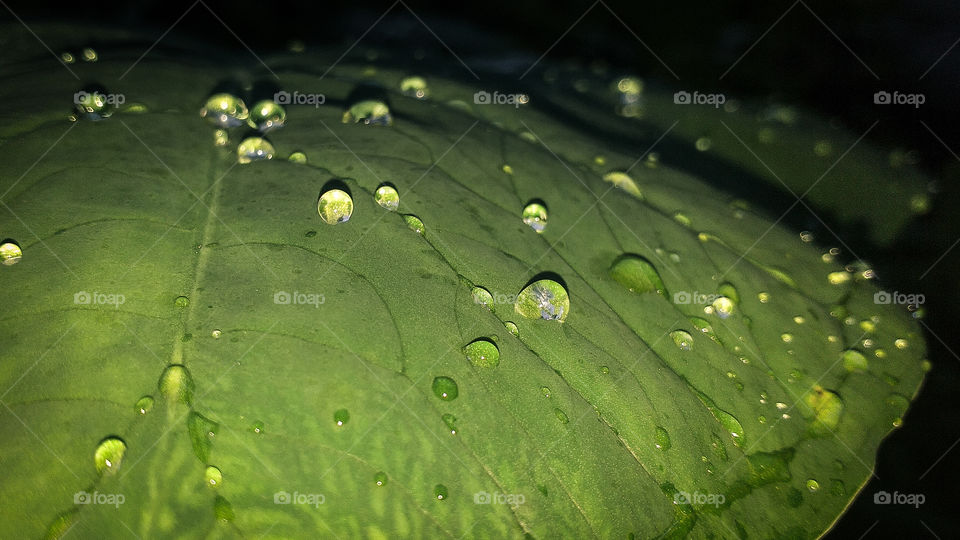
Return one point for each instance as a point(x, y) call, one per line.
point(661, 439)
point(482, 296)
point(440, 492)
point(901, 344)
point(212, 476)
point(838, 278)
point(267, 115)
point(89, 55)
point(387, 197)
point(341, 417)
point(786, 338)
point(297, 157)
point(561, 416)
point(414, 223)
point(717, 447)
point(414, 87)
point(682, 339)
point(762, 419)
point(257, 427)
point(451, 421)
point(254, 149)
point(637, 275)
point(682, 219)
point(221, 138)
point(216, 333)
point(543, 299)
point(482, 353)
point(335, 206)
point(370, 112)
point(703, 144)
point(380, 478)
point(822, 148)
point(225, 111)
point(763, 297)
point(445, 388)
point(827, 409)
point(144, 404)
point(109, 455)
point(10, 252)
point(854, 361)
point(545, 391)
point(622, 181)
point(176, 384)
point(67, 58)
point(535, 215)
point(512, 328)
point(605, 370)
point(813, 485)
point(310, 234)
point(181, 301)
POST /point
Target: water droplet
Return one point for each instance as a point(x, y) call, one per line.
point(440, 492)
point(254, 149)
point(297, 157)
point(482, 353)
point(310, 234)
point(415, 87)
point(682, 219)
point(414, 223)
point(806, 236)
point(225, 111)
point(223, 510)
point(682, 339)
point(341, 417)
point(181, 301)
point(703, 144)
point(109, 454)
point(202, 431)
point(605, 370)
point(781, 405)
point(89, 55)
point(215, 334)
point(854, 361)
point(267, 115)
point(144, 404)
point(10, 253)
point(94, 103)
point(823, 148)
point(212, 476)
point(722, 307)
point(335, 206)
point(545, 391)
point(543, 299)
point(717, 447)
point(387, 197)
point(370, 112)
point(451, 422)
point(901, 344)
point(880, 353)
point(561, 416)
point(622, 181)
point(661, 439)
point(535, 215)
point(257, 427)
point(67, 58)
point(482, 296)
point(827, 409)
point(176, 384)
point(838, 278)
point(762, 419)
point(786, 338)
point(704, 327)
point(512, 328)
point(637, 275)
point(221, 138)
point(763, 297)
point(727, 420)
point(445, 388)
point(813, 485)
point(868, 326)
point(380, 478)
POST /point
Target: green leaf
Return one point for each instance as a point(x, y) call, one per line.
point(292, 363)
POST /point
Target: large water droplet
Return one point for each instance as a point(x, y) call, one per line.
point(341, 417)
point(335, 206)
point(212, 476)
point(414, 87)
point(482, 296)
point(380, 478)
point(543, 299)
point(225, 111)
point(176, 384)
point(414, 223)
point(10, 252)
point(661, 439)
point(682, 339)
point(297, 157)
point(254, 149)
point(370, 112)
point(854, 361)
point(266, 115)
point(535, 215)
point(202, 431)
point(109, 454)
point(722, 307)
point(144, 405)
point(622, 181)
point(637, 275)
point(827, 408)
point(387, 197)
point(445, 388)
point(482, 353)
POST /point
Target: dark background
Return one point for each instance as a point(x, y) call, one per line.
point(799, 60)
